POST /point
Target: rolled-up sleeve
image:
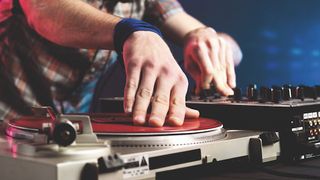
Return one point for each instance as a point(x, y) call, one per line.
point(157, 11)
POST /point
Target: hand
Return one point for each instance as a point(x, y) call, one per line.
point(210, 58)
point(152, 74)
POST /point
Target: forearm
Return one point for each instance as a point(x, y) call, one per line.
point(71, 23)
point(179, 25)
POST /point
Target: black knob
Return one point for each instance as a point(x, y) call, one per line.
point(287, 92)
point(265, 94)
point(252, 92)
point(64, 133)
point(300, 92)
point(277, 95)
point(294, 91)
point(237, 96)
point(311, 92)
point(205, 93)
point(318, 90)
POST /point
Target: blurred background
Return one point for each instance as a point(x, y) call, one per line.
point(280, 40)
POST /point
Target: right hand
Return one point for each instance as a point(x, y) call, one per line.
point(152, 74)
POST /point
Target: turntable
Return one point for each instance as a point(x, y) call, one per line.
point(105, 146)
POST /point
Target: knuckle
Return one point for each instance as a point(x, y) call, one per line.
point(149, 66)
point(134, 63)
point(183, 80)
point(196, 47)
point(145, 93)
point(161, 99)
point(166, 71)
point(131, 84)
point(129, 99)
point(178, 102)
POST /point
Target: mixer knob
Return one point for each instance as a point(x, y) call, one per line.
point(287, 92)
point(277, 94)
point(317, 87)
point(300, 92)
point(313, 93)
point(252, 92)
point(265, 94)
point(205, 93)
point(310, 92)
point(237, 96)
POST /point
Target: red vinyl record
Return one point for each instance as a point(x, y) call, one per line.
point(121, 124)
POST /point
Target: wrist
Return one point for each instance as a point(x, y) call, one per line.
point(126, 27)
point(194, 32)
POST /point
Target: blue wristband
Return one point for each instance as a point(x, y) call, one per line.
point(126, 27)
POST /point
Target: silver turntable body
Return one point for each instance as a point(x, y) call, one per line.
point(134, 156)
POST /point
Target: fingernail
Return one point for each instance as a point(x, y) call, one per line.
point(139, 120)
point(175, 121)
point(233, 84)
point(128, 110)
point(155, 121)
point(230, 91)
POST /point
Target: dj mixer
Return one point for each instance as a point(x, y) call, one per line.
point(293, 111)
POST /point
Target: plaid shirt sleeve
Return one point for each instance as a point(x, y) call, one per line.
point(158, 11)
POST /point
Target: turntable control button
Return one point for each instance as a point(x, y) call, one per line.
point(110, 163)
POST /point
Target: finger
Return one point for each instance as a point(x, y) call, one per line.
point(177, 107)
point(231, 74)
point(222, 53)
point(220, 84)
point(194, 70)
point(214, 48)
point(160, 103)
point(192, 113)
point(132, 82)
point(204, 62)
point(143, 96)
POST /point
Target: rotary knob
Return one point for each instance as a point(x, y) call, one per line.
point(265, 94)
point(252, 92)
point(237, 96)
point(277, 94)
point(318, 90)
point(300, 94)
point(287, 92)
point(64, 133)
point(311, 92)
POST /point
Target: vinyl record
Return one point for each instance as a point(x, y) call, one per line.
point(121, 124)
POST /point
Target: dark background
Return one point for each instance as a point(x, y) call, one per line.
point(280, 40)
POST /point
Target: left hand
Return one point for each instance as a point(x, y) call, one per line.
point(209, 58)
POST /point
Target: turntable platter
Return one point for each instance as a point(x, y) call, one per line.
point(121, 124)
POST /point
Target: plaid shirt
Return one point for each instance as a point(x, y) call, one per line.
point(68, 82)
